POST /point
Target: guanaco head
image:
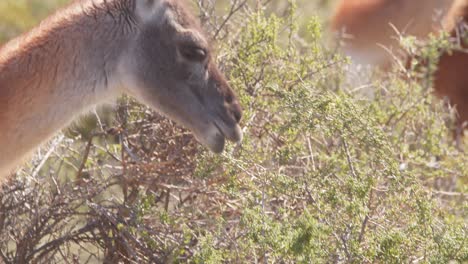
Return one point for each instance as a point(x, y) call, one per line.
point(169, 65)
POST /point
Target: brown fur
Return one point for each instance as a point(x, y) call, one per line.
point(92, 51)
point(451, 78)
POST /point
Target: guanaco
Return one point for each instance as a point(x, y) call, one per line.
point(94, 50)
point(372, 27)
point(451, 78)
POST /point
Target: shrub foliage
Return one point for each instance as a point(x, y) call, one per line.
point(326, 173)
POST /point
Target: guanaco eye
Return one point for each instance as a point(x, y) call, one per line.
point(193, 53)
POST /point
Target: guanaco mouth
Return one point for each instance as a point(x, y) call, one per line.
point(233, 134)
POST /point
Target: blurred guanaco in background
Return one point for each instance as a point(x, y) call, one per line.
point(370, 31)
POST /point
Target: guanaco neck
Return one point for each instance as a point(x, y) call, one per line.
point(57, 71)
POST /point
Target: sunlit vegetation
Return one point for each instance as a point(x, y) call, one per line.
point(328, 172)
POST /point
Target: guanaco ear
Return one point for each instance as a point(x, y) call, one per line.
point(157, 11)
point(148, 10)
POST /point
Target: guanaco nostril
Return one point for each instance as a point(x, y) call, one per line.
point(228, 98)
point(237, 115)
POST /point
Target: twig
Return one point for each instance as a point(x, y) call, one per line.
point(47, 155)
